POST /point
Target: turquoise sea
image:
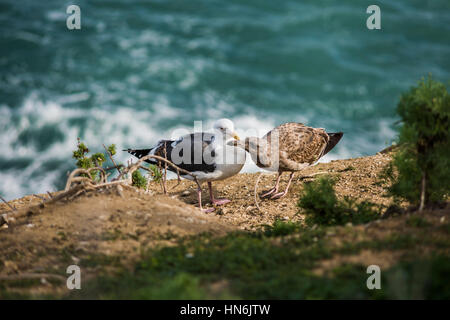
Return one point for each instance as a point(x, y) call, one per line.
point(138, 70)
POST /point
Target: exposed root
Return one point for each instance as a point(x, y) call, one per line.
point(72, 177)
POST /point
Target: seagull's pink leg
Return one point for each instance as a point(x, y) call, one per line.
point(213, 200)
point(199, 195)
point(274, 189)
point(282, 194)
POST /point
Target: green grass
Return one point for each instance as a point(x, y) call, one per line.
point(274, 263)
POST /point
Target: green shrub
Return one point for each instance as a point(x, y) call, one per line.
point(139, 180)
point(322, 206)
point(98, 159)
point(420, 170)
point(86, 162)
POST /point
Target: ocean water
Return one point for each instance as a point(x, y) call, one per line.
point(138, 70)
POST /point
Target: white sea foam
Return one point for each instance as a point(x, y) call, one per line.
point(125, 127)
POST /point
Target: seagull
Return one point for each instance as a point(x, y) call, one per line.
point(206, 155)
point(289, 147)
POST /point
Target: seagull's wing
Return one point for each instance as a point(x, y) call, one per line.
point(191, 152)
point(298, 145)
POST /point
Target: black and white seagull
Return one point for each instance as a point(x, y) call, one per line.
point(206, 155)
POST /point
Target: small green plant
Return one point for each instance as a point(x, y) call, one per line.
point(86, 162)
point(155, 173)
point(139, 180)
point(420, 170)
point(112, 149)
point(322, 206)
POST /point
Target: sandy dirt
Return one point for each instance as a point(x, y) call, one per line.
point(357, 178)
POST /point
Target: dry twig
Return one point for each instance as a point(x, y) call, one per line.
point(39, 197)
point(10, 206)
point(111, 157)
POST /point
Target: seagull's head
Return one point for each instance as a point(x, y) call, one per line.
point(250, 144)
point(257, 147)
point(226, 127)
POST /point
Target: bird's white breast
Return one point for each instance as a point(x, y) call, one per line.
point(229, 160)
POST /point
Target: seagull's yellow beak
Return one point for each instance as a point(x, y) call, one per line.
point(235, 136)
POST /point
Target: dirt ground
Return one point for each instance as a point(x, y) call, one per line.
point(357, 178)
point(106, 225)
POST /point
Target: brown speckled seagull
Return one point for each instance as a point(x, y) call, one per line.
point(298, 147)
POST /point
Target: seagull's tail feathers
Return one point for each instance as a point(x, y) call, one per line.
point(139, 153)
point(334, 139)
point(156, 150)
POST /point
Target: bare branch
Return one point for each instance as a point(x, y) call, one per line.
point(110, 156)
point(10, 206)
point(119, 166)
point(39, 197)
point(165, 170)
